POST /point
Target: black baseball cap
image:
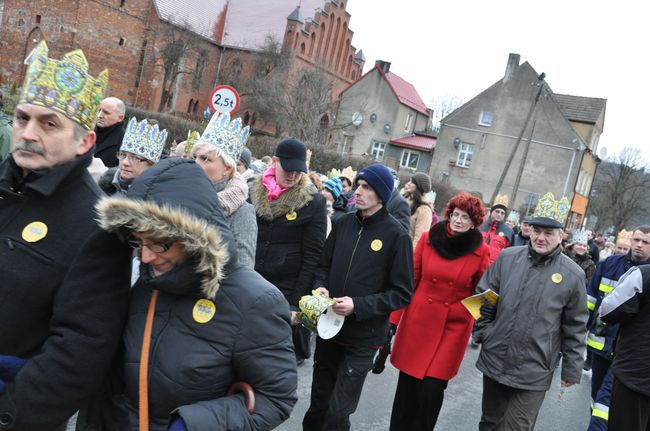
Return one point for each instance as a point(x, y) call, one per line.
point(292, 154)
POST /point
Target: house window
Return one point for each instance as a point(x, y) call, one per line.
point(485, 119)
point(121, 42)
point(410, 159)
point(377, 151)
point(407, 125)
point(347, 144)
point(465, 152)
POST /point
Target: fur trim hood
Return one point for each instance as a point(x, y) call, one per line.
point(175, 200)
point(293, 199)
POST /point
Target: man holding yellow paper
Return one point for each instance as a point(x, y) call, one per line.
point(541, 313)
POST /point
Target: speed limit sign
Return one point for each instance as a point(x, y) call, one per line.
point(224, 99)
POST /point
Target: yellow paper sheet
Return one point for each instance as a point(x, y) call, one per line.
point(473, 303)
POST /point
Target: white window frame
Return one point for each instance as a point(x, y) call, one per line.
point(482, 120)
point(407, 124)
point(465, 150)
point(378, 150)
point(409, 154)
point(346, 147)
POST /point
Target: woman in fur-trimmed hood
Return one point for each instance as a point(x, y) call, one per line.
point(216, 322)
point(291, 228)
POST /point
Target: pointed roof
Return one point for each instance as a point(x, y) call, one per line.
point(404, 91)
point(579, 108)
point(359, 56)
point(296, 16)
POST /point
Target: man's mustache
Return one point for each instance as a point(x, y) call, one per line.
point(28, 146)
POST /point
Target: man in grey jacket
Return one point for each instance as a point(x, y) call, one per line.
point(541, 313)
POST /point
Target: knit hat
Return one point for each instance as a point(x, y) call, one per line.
point(379, 178)
point(422, 181)
point(335, 186)
point(245, 157)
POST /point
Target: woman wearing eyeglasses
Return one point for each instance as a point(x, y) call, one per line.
point(199, 321)
point(434, 329)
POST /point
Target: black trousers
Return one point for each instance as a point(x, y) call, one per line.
point(301, 336)
point(417, 403)
point(508, 409)
point(339, 374)
point(599, 367)
point(628, 410)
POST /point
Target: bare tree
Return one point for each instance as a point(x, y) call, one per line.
point(621, 190)
point(441, 107)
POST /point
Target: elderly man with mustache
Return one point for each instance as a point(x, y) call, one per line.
point(65, 283)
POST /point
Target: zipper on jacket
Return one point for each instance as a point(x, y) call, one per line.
point(10, 244)
point(354, 250)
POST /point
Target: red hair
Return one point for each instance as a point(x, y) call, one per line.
point(468, 203)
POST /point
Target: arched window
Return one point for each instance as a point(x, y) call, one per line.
point(347, 71)
point(354, 74)
point(302, 48)
point(311, 45)
point(196, 106)
point(190, 106)
point(321, 36)
point(247, 118)
point(335, 41)
point(324, 121)
point(295, 43)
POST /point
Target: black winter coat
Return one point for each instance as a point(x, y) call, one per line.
point(291, 232)
point(109, 141)
point(216, 321)
point(371, 261)
point(63, 292)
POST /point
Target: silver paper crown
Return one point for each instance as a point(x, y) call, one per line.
point(580, 236)
point(144, 140)
point(228, 136)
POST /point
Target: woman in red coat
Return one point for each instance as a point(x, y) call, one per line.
point(433, 331)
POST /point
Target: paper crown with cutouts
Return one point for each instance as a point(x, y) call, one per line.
point(312, 307)
point(349, 173)
point(192, 138)
point(501, 201)
point(64, 86)
point(144, 140)
point(228, 136)
point(580, 237)
point(550, 212)
point(513, 217)
point(625, 235)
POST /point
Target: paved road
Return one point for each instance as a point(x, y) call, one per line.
point(462, 407)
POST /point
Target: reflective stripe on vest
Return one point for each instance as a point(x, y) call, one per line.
point(607, 285)
point(600, 411)
point(596, 342)
point(591, 303)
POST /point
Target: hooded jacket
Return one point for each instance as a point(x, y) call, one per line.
point(291, 231)
point(541, 313)
point(216, 321)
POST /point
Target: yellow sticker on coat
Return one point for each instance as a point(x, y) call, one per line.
point(203, 311)
point(35, 231)
point(376, 245)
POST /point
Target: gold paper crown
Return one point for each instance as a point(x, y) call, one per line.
point(192, 138)
point(548, 207)
point(625, 235)
point(65, 86)
point(349, 173)
point(501, 200)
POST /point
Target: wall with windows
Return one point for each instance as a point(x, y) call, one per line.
point(407, 159)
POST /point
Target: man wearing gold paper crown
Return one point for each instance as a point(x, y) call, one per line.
point(64, 286)
point(498, 235)
point(141, 149)
point(601, 340)
point(541, 312)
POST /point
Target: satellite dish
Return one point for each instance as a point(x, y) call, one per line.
point(603, 153)
point(373, 118)
point(357, 119)
point(387, 128)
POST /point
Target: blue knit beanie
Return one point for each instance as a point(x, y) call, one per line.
point(335, 186)
point(379, 178)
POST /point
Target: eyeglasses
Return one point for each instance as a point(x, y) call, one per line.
point(153, 247)
point(121, 155)
point(463, 217)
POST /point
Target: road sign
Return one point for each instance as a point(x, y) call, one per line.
point(224, 99)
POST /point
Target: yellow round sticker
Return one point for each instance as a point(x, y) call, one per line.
point(557, 278)
point(292, 215)
point(203, 311)
point(376, 245)
point(35, 231)
point(502, 234)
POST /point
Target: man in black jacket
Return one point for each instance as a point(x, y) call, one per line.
point(367, 267)
point(629, 305)
point(65, 284)
point(109, 130)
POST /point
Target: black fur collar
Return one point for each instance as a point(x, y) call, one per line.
point(452, 247)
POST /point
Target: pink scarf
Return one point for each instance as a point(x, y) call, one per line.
point(274, 189)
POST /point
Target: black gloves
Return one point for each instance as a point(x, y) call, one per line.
point(488, 312)
point(382, 355)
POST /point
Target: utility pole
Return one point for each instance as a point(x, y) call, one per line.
point(540, 80)
point(515, 189)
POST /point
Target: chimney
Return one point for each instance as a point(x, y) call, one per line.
point(383, 65)
point(511, 68)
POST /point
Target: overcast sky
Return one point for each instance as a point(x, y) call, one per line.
point(460, 47)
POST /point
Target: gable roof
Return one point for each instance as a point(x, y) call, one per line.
point(421, 143)
point(578, 108)
point(404, 91)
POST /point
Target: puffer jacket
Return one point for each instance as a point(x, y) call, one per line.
point(216, 321)
point(498, 236)
point(541, 313)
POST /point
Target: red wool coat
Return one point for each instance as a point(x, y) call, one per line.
point(434, 329)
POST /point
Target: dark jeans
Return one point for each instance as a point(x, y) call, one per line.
point(599, 368)
point(339, 373)
point(628, 410)
point(301, 336)
point(508, 409)
point(417, 403)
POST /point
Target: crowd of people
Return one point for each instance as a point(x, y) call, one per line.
point(153, 291)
